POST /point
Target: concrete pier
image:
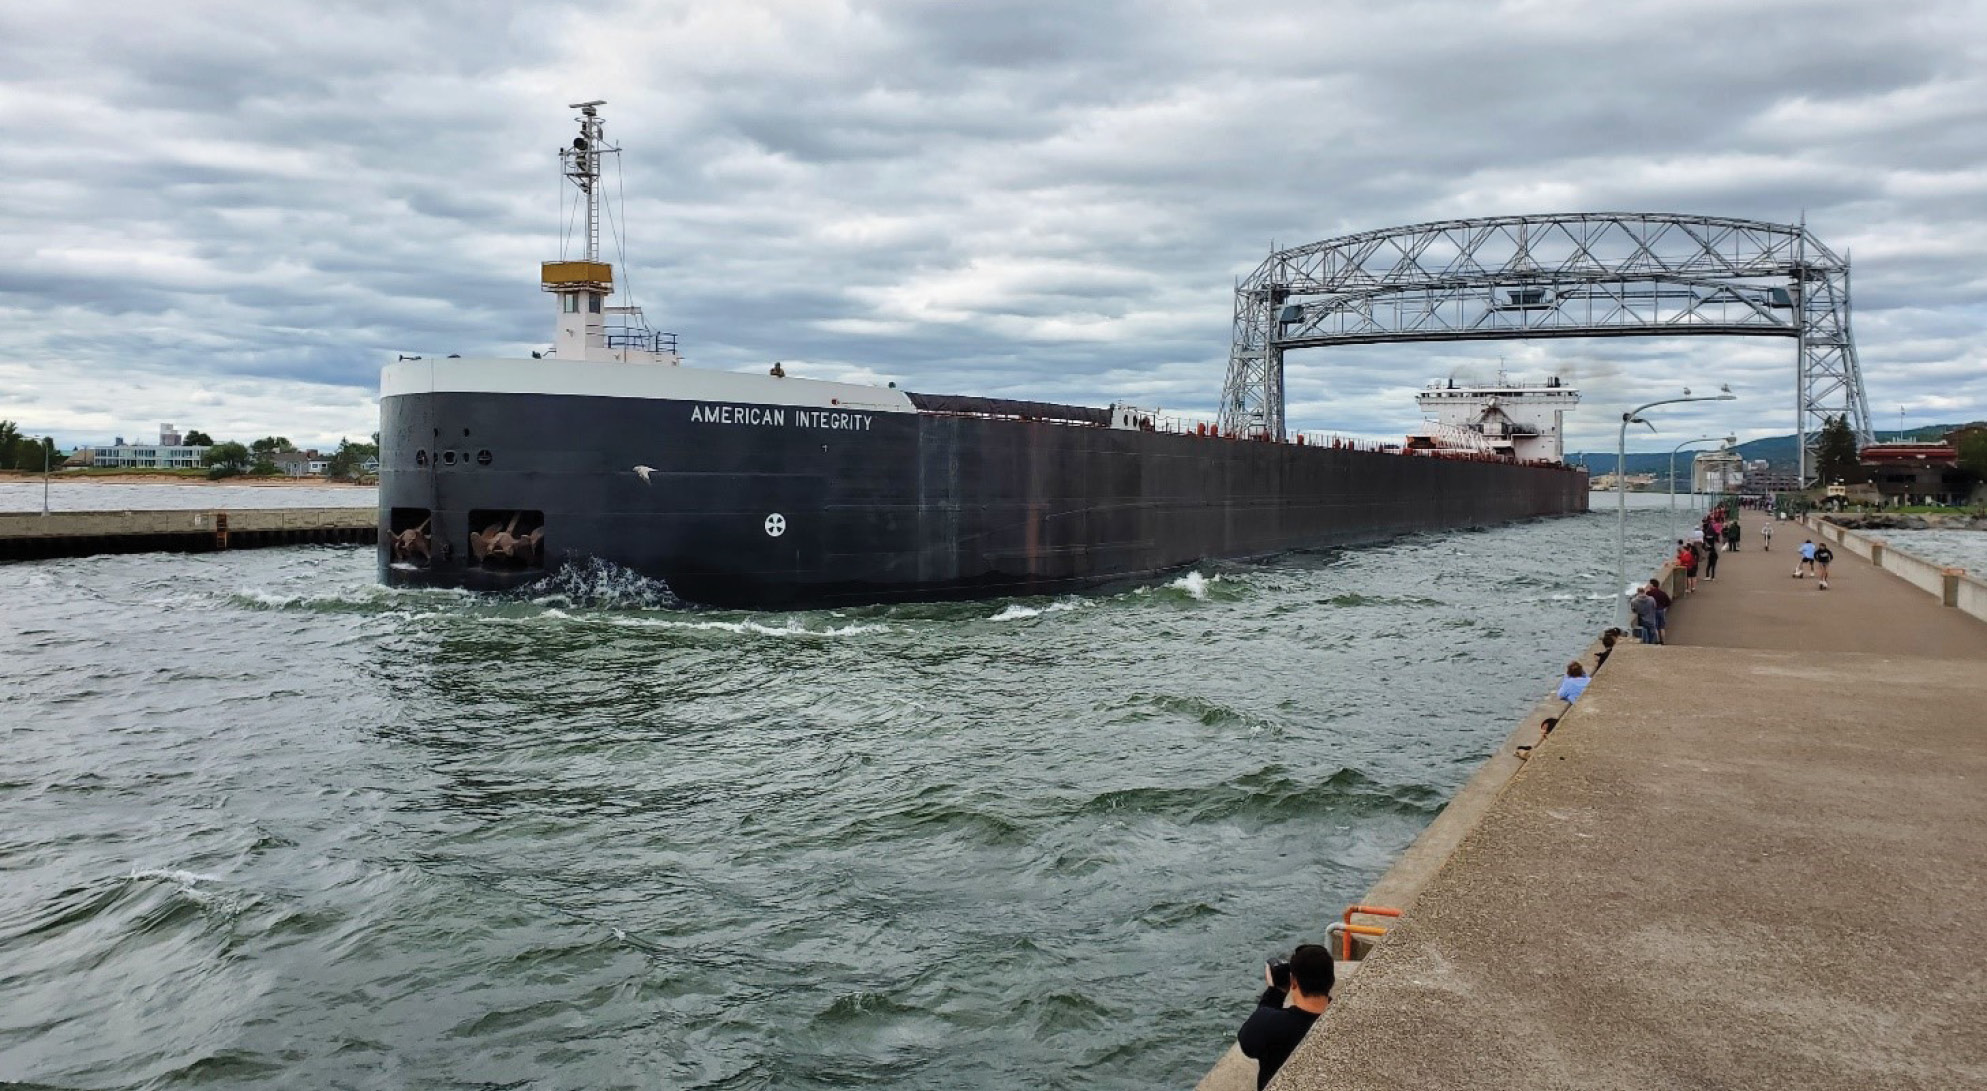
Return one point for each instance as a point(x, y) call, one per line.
point(1751, 859)
point(29, 535)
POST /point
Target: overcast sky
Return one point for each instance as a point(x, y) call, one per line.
point(229, 215)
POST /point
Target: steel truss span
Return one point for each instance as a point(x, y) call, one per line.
point(1590, 274)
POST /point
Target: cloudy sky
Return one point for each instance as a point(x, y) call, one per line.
point(228, 215)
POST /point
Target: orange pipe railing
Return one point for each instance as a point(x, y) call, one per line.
point(1352, 929)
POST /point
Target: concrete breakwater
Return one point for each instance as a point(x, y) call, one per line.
point(1760, 878)
point(29, 535)
point(1884, 521)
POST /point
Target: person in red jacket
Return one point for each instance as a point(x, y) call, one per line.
point(1687, 560)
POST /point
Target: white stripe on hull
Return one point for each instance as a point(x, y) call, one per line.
point(591, 379)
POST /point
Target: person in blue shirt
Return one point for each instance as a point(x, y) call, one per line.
point(1806, 565)
point(1575, 683)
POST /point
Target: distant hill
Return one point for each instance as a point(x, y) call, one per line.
point(1777, 450)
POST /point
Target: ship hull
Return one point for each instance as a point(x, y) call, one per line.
point(752, 504)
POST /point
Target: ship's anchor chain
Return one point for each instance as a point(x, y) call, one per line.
point(502, 542)
point(412, 544)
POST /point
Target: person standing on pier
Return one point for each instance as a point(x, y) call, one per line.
point(1766, 536)
point(1687, 560)
point(1711, 557)
point(1647, 622)
point(1662, 600)
point(1273, 1031)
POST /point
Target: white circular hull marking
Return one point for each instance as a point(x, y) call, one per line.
point(776, 525)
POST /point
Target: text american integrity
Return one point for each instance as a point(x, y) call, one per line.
point(782, 416)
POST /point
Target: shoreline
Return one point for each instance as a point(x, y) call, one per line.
point(17, 476)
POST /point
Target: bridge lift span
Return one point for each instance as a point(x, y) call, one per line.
point(1589, 274)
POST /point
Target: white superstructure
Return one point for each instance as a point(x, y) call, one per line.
point(586, 328)
point(1519, 420)
point(1717, 472)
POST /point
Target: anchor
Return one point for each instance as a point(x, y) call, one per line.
point(413, 543)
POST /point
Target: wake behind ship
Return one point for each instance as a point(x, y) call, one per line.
point(770, 491)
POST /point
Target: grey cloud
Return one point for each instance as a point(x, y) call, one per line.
point(1014, 197)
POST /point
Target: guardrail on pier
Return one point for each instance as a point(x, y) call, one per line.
point(1953, 586)
point(30, 535)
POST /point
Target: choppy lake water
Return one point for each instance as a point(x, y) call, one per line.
point(1960, 548)
point(19, 495)
point(269, 824)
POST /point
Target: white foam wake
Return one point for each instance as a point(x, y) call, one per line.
point(1194, 584)
point(792, 628)
point(1015, 611)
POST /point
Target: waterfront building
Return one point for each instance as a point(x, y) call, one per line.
point(301, 463)
point(170, 453)
point(1919, 473)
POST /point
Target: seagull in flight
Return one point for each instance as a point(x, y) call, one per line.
point(643, 472)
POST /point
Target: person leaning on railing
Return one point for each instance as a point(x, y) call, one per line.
point(1575, 683)
point(1273, 1030)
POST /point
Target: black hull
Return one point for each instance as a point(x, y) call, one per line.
point(890, 506)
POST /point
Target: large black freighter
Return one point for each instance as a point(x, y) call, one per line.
point(784, 492)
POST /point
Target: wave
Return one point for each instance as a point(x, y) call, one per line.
point(1269, 795)
point(793, 626)
point(183, 878)
point(1209, 713)
point(1015, 611)
point(363, 598)
point(1354, 598)
point(866, 1006)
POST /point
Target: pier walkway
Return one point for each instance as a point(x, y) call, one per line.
point(1755, 858)
point(32, 535)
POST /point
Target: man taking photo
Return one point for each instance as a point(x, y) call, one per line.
point(1274, 1030)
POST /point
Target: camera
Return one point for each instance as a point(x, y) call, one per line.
point(1279, 972)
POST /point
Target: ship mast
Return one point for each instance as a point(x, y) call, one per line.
point(581, 165)
point(581, 286)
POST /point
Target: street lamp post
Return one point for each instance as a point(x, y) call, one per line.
point(1634, 416)
point(1727, 441)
